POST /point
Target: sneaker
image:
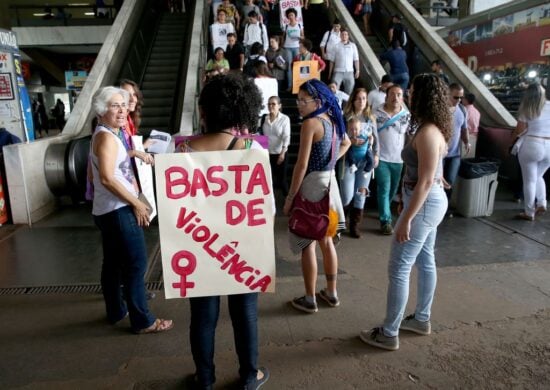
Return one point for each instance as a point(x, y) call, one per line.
point(413, 325)
point(376, 338)
point(303, 305)
point(332, 301)
point(387, 229)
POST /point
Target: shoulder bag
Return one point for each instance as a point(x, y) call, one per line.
point(310, 219)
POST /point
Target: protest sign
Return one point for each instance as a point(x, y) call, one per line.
point(145, 177)
point(216, 222)
point(287, 4)
point(303, 71)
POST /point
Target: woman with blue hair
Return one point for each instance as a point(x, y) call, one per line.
point(323, 141)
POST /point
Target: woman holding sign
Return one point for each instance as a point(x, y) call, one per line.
point(323, 140)
point(239, 96)
point(120, 216)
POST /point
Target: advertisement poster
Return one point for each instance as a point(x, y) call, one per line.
point(15, 108)
point(303, 71)
point(75, 79)
point(493, 45)
point(216, 215)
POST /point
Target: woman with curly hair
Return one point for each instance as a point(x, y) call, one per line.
point(424, 206)
point(323, 140)
point(356, 179)
point(227, 105)
point(134, 106)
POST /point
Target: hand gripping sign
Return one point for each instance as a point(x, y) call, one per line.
point(216, 222)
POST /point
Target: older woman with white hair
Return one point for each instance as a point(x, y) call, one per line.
point(534, 153)
point(120, 216)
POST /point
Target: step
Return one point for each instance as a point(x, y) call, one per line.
point(173, 50)
point(164, 62)
point(165, 56)
point(165, 85)
point(149, 111)
point(158, 101)
point(155, 121)
point(157, 93)
point(162, 76)
point(162, 69)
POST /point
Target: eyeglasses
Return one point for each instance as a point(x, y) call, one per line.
point(303, 102)
point(117, 107)
point(272, 104)
point(458, 97)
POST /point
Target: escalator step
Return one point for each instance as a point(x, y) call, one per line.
point(154, 76)
point(165, 84)
point(157, 93)
point(164, 62)
point(161, 69)
point(149, 111)
point(158, 102)
point(165, 56)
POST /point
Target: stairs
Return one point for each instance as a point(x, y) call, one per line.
point(160, 84)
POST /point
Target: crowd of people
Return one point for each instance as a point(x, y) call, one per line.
point(406, 134)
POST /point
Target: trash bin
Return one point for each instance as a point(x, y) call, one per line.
point(475, 187)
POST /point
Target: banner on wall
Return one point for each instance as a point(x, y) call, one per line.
point(15, 106)
point(216, 222)
point(494, 44)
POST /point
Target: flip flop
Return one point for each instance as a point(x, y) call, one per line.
point(158, 326)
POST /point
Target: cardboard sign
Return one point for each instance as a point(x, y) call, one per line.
point(303, 71)
point(216, 222)
point(145, 177)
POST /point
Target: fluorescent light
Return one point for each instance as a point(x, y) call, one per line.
point(487, 77)
point(89, 13)
point(532, 74)
point(42, 14)
point(78, 4)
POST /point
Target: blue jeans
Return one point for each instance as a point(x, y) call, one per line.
point(350, 184)
point(388, 176)
point(451, 165)
point(243, 309)
point(124, 266)
point(420, 250)
point(291, 52)
point(401, 79)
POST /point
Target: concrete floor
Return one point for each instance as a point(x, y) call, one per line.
point(493, 286)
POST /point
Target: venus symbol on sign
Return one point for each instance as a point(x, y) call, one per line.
point(185, 271)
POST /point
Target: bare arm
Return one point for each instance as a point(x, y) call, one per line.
point(306, 140)
point(520, 129)
point(344, 146)
point(105, 148)
point(428, 144)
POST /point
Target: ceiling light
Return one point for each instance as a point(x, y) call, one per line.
point(487, 77)
point(532, 74)
point(78, 4)
point(89, 13)
point(41, 14)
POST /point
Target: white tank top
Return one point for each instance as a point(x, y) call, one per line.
point(292, 39)
point(104, 200)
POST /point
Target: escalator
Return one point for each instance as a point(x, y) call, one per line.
point(155, 58)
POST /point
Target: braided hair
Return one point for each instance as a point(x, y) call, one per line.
point(329, 104)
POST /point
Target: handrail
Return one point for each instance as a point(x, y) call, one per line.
point(141, 47)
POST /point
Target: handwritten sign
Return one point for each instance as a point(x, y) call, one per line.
point(287, 4)
point(216, 222)
point(303, 71)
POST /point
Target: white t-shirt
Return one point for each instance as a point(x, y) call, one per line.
point(293, 36)
point(344, 56)
point(218, 32)
point(277, 132)
point(376, 98)
point(540, 126)
point(329, 42)
point(268, 87)
point(256, 32)
point(391, 139)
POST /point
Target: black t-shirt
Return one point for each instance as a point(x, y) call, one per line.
point(399, 33)
point(233, 55)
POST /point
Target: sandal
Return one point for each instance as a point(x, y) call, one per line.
point(525, 217)
point(540, 210)
point(158, 326)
